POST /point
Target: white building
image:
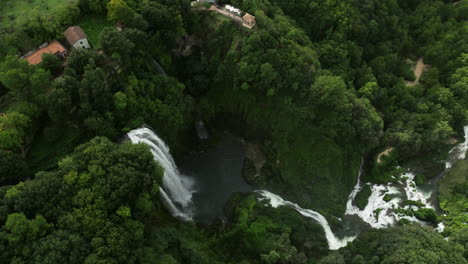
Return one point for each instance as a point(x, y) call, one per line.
point(233, 9)
point(76, 37)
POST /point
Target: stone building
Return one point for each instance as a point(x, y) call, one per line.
point(76, 37)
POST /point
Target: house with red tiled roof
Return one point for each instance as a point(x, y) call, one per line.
point(54, 48)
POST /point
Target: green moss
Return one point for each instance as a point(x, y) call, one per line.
point(389, 197)
point(415, 203)
point(426, 214)
point(311, 163)
point(404, 212)
point(303, 164)
point(419, 179)
point(377, 212)
point(362, 197)
point(404, 222)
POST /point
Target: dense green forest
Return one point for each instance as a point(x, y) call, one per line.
point(323, 86)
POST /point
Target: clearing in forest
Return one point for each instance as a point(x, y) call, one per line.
point(418, 68)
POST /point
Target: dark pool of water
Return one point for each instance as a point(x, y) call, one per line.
point(217, 173)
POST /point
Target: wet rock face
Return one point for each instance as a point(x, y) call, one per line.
point(253, 164)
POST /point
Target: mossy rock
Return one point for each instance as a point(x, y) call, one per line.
point(415, 203)
point(362, 197)
point(404, 221)
point(250, 174)
point(419, 179)
point(426, 214)
point(389, 197)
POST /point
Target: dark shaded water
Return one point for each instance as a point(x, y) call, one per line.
point(217, 173)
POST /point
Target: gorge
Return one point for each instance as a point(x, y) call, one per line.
point(179, 191)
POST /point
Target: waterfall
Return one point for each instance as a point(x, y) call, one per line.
point(357, 188)
point(177, 189)
point(201, 130)
point(459, 151)
point(333, 241)
point(379, 213)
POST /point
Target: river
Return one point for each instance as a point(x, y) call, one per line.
point(200, 189)
point(218, 173)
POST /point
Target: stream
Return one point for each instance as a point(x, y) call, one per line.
point(210, 177)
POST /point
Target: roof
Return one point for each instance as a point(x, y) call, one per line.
point(52, 48)
point(248, 18)
point(73, 34)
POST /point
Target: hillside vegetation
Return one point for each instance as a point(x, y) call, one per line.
point(320, 85)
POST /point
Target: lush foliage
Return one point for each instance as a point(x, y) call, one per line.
point(453, 199)
point(410, 244)
point(319, 84)
point(90, 209)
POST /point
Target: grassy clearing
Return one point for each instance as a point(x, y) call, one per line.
point(92, 26)
point(12, 9)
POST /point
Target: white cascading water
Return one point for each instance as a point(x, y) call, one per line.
point(177, 189)
point(459, 151)
point(376, 212)
point(379, 213)
point(334, 242)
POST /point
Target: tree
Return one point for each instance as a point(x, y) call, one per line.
point(119, 11)
point(21, 232)
point(67, 15)
point(64, 98)
point(115, 44)
point(94, 91)
point(96, 6)
point(13, 128)
point(409, 244)
point(331, 103)
point(92, 202)
point(367, 122)
point(50, 63)
point(334, 258)
point(12, 167)
point(79, 58)
point(25, 81)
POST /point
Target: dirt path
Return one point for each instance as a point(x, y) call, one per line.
point(227, 14)
point(418, 71)
point(384, 153)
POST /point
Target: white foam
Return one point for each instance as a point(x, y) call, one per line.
point(333, 241)
point(177, 189)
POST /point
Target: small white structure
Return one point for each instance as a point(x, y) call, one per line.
point(233, 9)
point(76, 37)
